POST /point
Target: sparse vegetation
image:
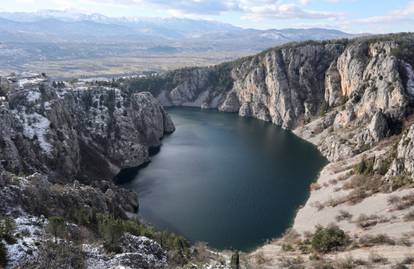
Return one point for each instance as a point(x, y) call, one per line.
point(235, 260)
point(7, 228)
point(376, 258)
point(260, 258)
point(409, 216)
point(398, 182)
point(401, 203)
point(366, 222)
point(111, 230)
point(295, 262)
point(61, 254)
point(373, 240)
point(315, 186)
point(343, 215)
point(365, 167)
point(287, 247)
point(3, 255)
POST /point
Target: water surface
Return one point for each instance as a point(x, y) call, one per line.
point(229, 181)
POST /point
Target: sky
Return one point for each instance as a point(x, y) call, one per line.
point(354, 16)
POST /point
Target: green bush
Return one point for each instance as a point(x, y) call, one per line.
point(3, 255)
point(7, 228)
point(62, 254)
point(397, 182)
point(384, 166)
point(287, 247)
point(365, 167)
point(110, 230)
point(56, 226)
point(323, 109)
point(235, 261)
point(329, 239)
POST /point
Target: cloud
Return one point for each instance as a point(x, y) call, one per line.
point(252, 9)
point(304, 2)
point(405, 14)
point(287, 11)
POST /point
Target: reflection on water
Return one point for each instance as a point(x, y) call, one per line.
point(232, 182)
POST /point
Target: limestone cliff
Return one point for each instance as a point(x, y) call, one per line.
point(78, 132)
point(296, 83)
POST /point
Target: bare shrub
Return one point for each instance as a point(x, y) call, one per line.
point(373, 240)
point(409, 216)
point(343, 215)
point(366, 222)
point(403, 202)
point(315, 186)
point(376, 258)
point(294, 262)
point(333, 181)
point(260, 258)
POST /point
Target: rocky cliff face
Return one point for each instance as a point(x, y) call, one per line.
point(294, 84)
point(70, 131)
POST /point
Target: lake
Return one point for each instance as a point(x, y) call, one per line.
point(232, 182)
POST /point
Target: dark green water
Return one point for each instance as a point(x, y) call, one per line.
point(229, 181)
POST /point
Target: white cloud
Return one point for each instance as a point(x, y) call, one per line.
point(304, 2)
point(287, 11)
point(255, 9)
point(397, 15)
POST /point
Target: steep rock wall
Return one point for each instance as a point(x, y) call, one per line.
point(297, 83)
point(76, 132)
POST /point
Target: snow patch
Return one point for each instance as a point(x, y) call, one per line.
point(47, 106)
point(31, 231)
point(24, 82)
point(36, 125)
point(33, 96)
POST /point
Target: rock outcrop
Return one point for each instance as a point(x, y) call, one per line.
point(403, 165)
point(72, 132)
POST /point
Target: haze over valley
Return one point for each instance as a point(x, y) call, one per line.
point(73, 45)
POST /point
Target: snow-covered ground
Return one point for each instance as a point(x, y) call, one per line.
point(31, 231)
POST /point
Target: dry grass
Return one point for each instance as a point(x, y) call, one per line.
point(289, 262)
point(333, 181)
point(365, 222)
point(409, 216)
point(260, 258)
point(315, 186)
point(377, 259)
point(401, 202)
point(318, 205)
point(374, 240)
point(343, 215)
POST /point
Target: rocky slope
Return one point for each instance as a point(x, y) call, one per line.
point(354, 100)
point(61, 144)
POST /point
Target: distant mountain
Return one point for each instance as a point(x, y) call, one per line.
point(52, 35)
point(68, 25)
